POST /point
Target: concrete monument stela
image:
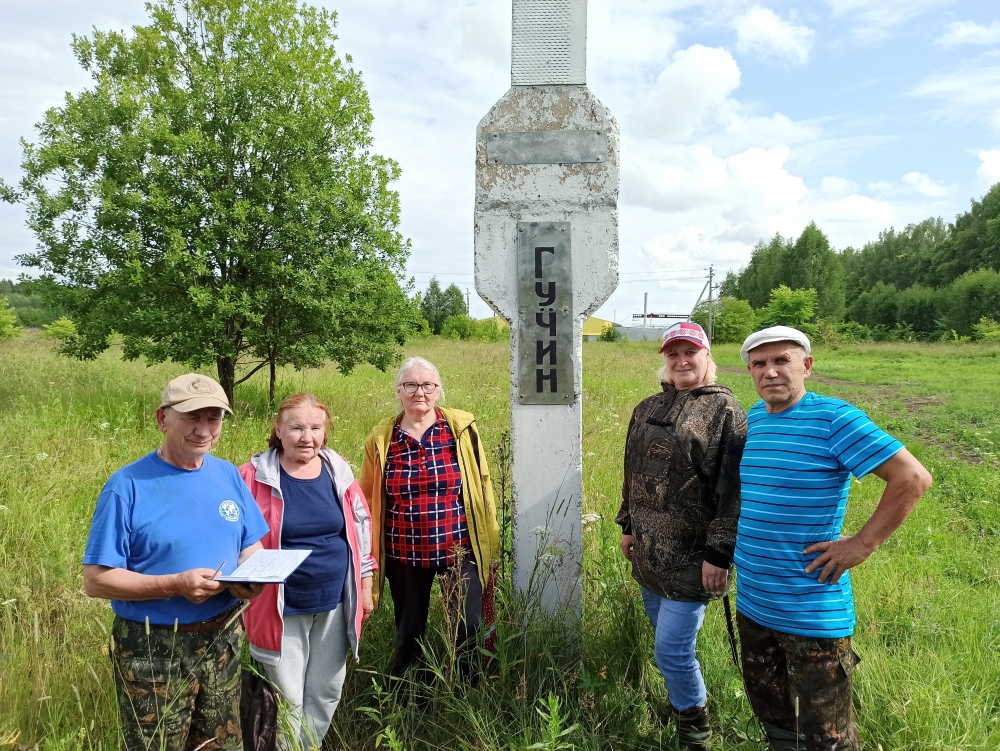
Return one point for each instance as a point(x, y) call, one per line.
point(546, 252)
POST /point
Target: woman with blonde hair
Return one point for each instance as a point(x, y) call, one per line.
point(680, 506)
point(426, 477)
point(302, 630)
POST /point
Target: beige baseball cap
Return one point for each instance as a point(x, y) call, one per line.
point(193, 391)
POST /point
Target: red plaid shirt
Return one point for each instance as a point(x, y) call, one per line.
point(425, 519)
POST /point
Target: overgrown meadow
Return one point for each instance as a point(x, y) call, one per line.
point(928, 601)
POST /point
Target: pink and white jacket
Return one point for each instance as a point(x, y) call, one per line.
point(263, 620)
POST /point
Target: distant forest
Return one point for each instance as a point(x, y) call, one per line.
point(929, 281)
point(29, 308)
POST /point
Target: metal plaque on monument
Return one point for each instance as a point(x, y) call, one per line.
point(546, 245)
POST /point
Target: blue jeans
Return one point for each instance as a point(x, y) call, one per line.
point(676, 625)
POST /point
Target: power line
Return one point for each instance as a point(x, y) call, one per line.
point(659, 271)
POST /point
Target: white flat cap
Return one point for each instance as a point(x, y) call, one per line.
point(773, 334)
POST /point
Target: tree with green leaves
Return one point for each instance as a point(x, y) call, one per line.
point(438, 305)
point(807, 263)
point(788, 307)
point(213, 197)
point(733, 320)
point(812, 264)
point(901, 258)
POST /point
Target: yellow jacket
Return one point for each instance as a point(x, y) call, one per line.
point(477, 494)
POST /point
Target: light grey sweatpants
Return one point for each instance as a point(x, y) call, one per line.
point(311, 672)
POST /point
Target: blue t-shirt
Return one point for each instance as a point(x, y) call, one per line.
point(155, 518)
point(796, 473)
point(313, 520)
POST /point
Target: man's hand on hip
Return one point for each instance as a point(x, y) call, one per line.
point(837, 556)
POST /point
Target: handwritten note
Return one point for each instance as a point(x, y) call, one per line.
point(267, 567)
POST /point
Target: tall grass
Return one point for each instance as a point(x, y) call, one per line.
point(928, 616)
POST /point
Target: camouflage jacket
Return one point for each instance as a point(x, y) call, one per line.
point(681, 495)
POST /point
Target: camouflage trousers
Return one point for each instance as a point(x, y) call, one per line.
point(801, 684)
point(177, 690)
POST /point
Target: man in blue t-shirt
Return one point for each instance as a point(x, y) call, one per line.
point(164, 527)
point(795, 608)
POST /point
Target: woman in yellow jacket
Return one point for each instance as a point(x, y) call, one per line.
point(432, 507)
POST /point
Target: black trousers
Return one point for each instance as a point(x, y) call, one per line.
point(411, 597)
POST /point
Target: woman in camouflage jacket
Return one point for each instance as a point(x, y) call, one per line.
point(681, 503)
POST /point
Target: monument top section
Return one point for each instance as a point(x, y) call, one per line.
point(549, 43)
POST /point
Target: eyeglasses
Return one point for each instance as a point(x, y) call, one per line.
point(411, 388)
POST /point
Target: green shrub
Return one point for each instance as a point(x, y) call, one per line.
point(970, 298)
point(987, 330)
point(877, 307)
point(610, 333)
point(9, 327)
point(457, 326)
point(422, 330)
point(61, 328)
point(788, 307)
point(854, 332)
point(921, 307)
point(462, 327)
point(488, 330)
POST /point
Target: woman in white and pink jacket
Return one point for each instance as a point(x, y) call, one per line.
point(302, 630)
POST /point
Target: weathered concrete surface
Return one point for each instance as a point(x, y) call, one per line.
point(546, 440)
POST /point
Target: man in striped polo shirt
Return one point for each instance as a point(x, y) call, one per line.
point(795, 609)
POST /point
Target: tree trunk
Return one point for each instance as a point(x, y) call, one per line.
point(270, 393)
point(227, 376)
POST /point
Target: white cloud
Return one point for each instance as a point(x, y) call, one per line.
point(969, 32)
point(837, 187)
point(873, 18)
point(694, 87)
point(623, 35)
point(921, 183)
point(761, 31)
point(912, 183)
point(967, 92)
point(705, 173)
point(988, 173)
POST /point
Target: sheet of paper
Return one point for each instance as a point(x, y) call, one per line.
point(267, 567)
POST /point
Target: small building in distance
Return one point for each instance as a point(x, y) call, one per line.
point(593, 328)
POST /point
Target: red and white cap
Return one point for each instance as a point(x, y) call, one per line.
point(688, 332)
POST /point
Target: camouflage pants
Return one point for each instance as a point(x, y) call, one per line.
point(177, 690)
point(780, 668)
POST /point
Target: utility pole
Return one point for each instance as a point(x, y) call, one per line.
point(711, 308)
point(468, 310)
point(645, 307)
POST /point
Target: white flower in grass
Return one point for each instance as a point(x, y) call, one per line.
point(104, 425)
point(591, 518)
point(540, 530)
point(41, 457)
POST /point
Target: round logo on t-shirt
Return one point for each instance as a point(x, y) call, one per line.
point(229, 511)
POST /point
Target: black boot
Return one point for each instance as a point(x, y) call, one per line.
point(693, 730)
point(783, 740)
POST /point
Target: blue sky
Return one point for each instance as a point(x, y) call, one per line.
point(739, 119)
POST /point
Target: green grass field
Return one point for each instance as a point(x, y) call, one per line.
point(928, 616)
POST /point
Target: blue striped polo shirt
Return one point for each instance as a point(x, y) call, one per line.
point(795, 475)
